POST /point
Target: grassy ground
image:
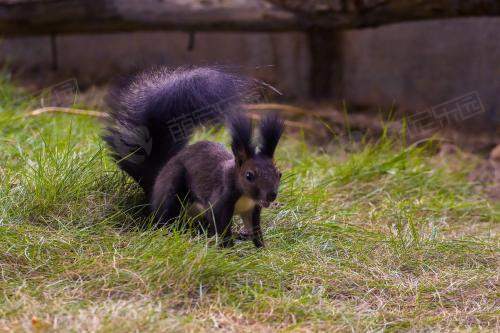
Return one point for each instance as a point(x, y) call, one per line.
point(367, 238)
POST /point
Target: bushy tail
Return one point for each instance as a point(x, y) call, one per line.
point(154, 113)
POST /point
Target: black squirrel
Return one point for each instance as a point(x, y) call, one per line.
point(153, 115)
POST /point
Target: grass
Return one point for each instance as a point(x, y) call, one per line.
point(371, 237)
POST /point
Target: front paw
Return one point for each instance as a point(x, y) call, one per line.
point(243, 236)
point(227, 242)
point(258, 242)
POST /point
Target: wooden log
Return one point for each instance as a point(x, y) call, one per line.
point(369, 13)
point(37, 17)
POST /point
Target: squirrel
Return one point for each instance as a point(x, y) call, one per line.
point(152, 118)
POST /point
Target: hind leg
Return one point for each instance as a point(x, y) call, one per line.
point(219, 220)
point(168, 193)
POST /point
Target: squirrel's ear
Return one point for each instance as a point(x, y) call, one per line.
point(240, 127)
point(271, 129)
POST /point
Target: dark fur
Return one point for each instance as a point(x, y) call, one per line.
point(271, 129)
point(240, 128)
point(205, 173)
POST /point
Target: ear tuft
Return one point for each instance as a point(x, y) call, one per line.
point(271, 129)
point(240, 128)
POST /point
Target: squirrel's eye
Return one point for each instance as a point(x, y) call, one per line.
point(250, 176)
point(279, 174)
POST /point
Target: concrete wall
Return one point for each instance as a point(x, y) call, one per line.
point(421, 64)
point(279, 59)
point(413, 65)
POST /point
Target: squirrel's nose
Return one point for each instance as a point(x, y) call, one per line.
point(271, 196)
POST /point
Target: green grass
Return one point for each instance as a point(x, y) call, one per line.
point(367, 237)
